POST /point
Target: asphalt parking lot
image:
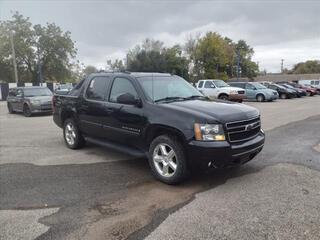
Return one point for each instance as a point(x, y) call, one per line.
point(50, 192)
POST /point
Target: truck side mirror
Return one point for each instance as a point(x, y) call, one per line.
point(129, 99)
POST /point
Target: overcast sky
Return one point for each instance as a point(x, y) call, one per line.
point(107, 29)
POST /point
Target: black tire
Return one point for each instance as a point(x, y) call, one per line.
point(182, 170)
point(223, 97)
point(26, 110)
point(260, 98)
point(283, 96)
point(10, 109)
point(79, 141)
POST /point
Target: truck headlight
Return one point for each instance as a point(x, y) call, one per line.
point(209, 132)
point(35, 102)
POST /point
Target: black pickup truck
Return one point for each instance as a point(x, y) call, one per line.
point(159, 116)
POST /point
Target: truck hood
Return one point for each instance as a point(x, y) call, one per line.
point(215, 111)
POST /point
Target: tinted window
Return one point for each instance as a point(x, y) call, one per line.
point(33, 92)
point(209, 84)
point(20, 93)
point(97, 88)
point(316, 82)
point(273, 87)
point(122, 86)
point(12, 92)
point(312, 82)
point(249, 86)
point(200, 84)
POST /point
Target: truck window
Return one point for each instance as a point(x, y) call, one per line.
point(97, 88)
point(316, 82)
point(200, 84)
point(312, 82)
point(121, 86)
point(209, 84)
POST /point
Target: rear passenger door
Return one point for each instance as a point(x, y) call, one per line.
point(91, 110)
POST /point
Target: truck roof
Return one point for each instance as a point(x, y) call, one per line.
point(134, 74)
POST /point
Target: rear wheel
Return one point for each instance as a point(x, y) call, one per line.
point(72, 135)
point(26, 110)
point(223, 97)
point(283, 96)
point(260, 98)
point(10, 109)
point(167, 160)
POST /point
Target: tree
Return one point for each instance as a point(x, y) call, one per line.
point(89, 69)
point(38, 48)
point(310, 66)
point(151, 56)
point(116, 65)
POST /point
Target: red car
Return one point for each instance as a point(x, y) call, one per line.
point(310, 91)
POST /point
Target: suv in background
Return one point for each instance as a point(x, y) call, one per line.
point(29, 100)
point(215, 88)
point(256, 91)
point(159, 116)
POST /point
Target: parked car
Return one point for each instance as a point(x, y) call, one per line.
point(299, 92)
point(29, 100)
point(215, 88)
point(256, 91)
point(309, 90)
point(314, 83)
point(63, 89)
point(283, 92)
point(160, 116)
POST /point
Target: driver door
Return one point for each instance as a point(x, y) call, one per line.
point(210, 89)
point(250, 91)
point(126, 122)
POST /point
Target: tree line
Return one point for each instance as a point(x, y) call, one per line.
point(48, 53)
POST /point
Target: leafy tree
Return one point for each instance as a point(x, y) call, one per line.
point(89, 69)
point(46, 48)
point(151, 56)
point(116, 65)
point(310, 66)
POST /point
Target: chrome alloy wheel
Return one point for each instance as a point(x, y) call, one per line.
point(165, 160)
point(70, 133)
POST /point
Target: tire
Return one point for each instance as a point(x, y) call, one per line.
point(223, 97)
point(10, 109)
point(260, 98)
point(26, 110)
point(283, 96)
point(72, 135)
point(167, 160)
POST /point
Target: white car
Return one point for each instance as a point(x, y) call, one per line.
point(215, 88)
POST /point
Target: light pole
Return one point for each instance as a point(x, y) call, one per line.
point(238, 63)
point(14, 58)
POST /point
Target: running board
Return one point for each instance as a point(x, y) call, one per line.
point(117, 147)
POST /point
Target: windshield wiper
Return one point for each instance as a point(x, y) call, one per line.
point(169, 99)
point(195, 97)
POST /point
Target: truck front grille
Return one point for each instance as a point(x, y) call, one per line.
point(241, 92)
point(243, 130)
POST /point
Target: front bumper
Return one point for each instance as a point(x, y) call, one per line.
point(236, 97)
point(44, 108)
point(223, 154)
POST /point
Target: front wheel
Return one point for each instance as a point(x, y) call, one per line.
point(26, 110)
point(260, 98)
point(10, 108)
point(167, 160)
point(223, 97)
point(72, 135)
point(283, 96)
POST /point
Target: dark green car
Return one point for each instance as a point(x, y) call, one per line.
point(29, 100)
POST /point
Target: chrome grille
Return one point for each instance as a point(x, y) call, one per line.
point(243, 130)
point(241, 92)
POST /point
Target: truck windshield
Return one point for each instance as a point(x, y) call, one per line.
point(220, 83)
point(169, 88)
point(33, 92)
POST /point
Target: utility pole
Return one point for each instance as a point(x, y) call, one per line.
point(282, 65)
point(14, 58)
point(238, 63)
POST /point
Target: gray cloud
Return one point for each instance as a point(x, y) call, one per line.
point(106, 29)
